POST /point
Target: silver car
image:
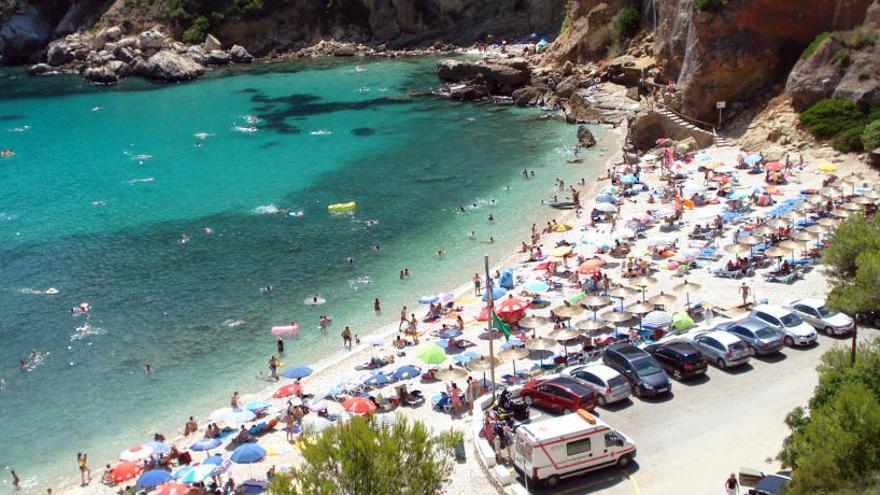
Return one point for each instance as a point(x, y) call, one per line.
point(723, 349)
point(609, 385)
point(813, 311)
point(761, 339)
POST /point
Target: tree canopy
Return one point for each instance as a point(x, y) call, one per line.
point(357, 458)
point(853, 261)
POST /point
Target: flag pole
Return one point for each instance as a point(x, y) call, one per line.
point(491, 315)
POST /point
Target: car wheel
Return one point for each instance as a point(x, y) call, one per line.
point(721, 364)
point(676, 374)
point(789, 341)
point(602, 401)
point(528, 400)
point(828, 331)
point(552, 481)
point(623, 461)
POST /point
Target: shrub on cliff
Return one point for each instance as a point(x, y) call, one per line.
point(871, 136)
point(628, 21)
point(849, 140)
point(708, 5)
point(812, 47)
point(830, 117)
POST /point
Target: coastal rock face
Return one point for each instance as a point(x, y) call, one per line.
point(104, 75)
point(585, 137)
point(239, 55)
point(167, 65)
point(743, 49)
point(152, 39)
point(218, 57)
point(844, 65)
point(504, 74)
point(212, 43)
point(589, 34)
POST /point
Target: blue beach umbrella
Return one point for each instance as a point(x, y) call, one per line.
point(215, 459)
point(379, 378)
point(158, 447)
point(605, 198)
point(195, 474)
point(609, 189)
point(753, 159)
point(738, 195)
point(450, 333)
point(628, 179)
point(497, 293)
point(513, 343)
point(253, 487)
point(428, 299)
point(536, 286)
point(297, 372)
point(256, 405)
point(153, 478)
point(205, 444)
point(248, 454)
point(405, 372)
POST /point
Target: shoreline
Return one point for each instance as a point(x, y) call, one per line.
point(342, 359)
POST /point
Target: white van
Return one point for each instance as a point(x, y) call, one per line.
point(566, 446)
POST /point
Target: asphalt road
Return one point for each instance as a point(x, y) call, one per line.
point(691, 440)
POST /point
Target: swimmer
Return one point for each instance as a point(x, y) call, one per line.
point(98, 203)
point(148, 369)
point(473, 205)
point(439, 253)
point(350, 260)
point(22, 365)
point(491, 240)
point(183, 239)
point(507, 188)
point(532, 173)
point(315, 299)
point(461, 209)
point(377, 248)
point(208, 230)
point(34, 355)
point(297, 213)
point(525, 174)
point(406, 272)
point(197, 144)
point(491, 201)
point(491, 217)
point(472, 234)
point(266, 289)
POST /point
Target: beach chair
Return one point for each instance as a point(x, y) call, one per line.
point(724, 273)
point(783, 279)
point(384, 404)
point(442, 403)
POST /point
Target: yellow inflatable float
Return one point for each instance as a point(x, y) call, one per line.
point(336, 207)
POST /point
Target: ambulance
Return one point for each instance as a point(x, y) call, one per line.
point(547, 451)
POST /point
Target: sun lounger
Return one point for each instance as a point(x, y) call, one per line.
point(724, 273)
point(783, 279)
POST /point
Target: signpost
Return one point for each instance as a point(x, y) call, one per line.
point(720, 105)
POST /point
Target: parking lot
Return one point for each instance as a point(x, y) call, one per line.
point(692, 439)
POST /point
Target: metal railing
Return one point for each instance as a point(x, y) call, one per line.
point(706, 126)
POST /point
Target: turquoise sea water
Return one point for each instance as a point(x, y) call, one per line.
point(110, 192)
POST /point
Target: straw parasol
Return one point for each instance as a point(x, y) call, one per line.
point(567, 311)
point(749, 240)
point(829, 191)
point(852, 207)
point(873, 194)
point(621, 292)
point(564, 334)
point(737, 248)
point(853, 178)
point(864, 200)
point(687, 288)
point(533, 321)
point(484, 363)
point(642, 281)
point(777, 252)
point(817, 229)
point(792, 245)
point(617, 316)
point(764, 230)
point(513, 354)
point(828, 222)
point(776, 223)
point(450, 373)
point(663, 299)
point(595, 301)
point(640, 308)
point(838, 213)
point(541, 344)
point(590, 325)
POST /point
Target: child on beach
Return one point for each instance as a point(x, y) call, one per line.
point(84, 471)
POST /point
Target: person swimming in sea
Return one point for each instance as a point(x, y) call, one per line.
point(377, 248)
point(461, 209)
point(349, 260)
point(472, 234)
point(266, 289)
point(23, 366)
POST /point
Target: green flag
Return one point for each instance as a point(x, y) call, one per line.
point(500, 325)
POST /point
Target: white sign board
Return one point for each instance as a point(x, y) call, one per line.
point(720, 105)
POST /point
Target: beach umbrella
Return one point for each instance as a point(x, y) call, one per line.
point(230, 415)
point(642, 281)
point(817, 229)
point(749, 240)
point(825, 222)
point(406, 372)
point(838, 213)
point(428, 299)
point(617, 316)
point(663, 299)
point(285, 448)
point(451, 333)
point(497, 293)
point(286, 390)
point(378, 379)
point(737, 248)
point(430, 353)
point(564, 334)
point(567, 311)
point(296, 372)
point(687, 287)
point(682, 320)
point(864, 200)
point(359, 405)
point(205, 444)
point(541, 344)
point(484, 363)
point(658, 319)
point(374, 340)
point(465, 357)
point(561, 227)
point(737, 195)
point(805, 236)
point(648, 157)
point(621, 292)
point(533, 322)
point(792, 245)
point(753, 159)
point(450, 373)
point(826, 167)
point(153, 478)
point(256, 405)
point(125, 471)
point(591, 266)
point(536, 286)
point(253, 487)
point(158, 447)
point(628, 179)
point(285, 330)
point(590, 325)
point(384, 420)
point(248, 453)
point(560, 251)
point(171, 489)
point(852, 207)
point(605, 198)
point(314, 424)
point(513, 354)
point(605, 207)
point(774, 166)
point(764, 230)
point(511, 306)
point(595, 301)
point(610, 189)
point(136, 453)
point(640, 308)
point(777, 252)
point(195, 474)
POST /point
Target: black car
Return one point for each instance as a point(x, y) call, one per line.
point(772, 484)
point(645, 376)
point(679, 358)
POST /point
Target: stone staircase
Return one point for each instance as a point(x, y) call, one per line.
point(692, 128)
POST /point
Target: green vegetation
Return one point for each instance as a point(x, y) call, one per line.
point(812, 47)
point(853, 261)
point(628, 22)
point(841, 121)
point(841, 57)
point(871, 136)
point(567, 21)
point(356, 458)
point(835, 449)
point(709, 5)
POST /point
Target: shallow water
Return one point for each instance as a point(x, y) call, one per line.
point(158, 205)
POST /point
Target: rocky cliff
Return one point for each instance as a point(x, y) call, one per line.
point(263, 27)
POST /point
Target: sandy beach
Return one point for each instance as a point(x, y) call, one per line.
point(720, 293)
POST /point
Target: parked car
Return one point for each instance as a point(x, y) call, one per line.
point(609, 385)
point(679, 358)
point(794, 330)
point(771, 484)
point(723, 349)
point(645, 376)
point(813, 311)
point(762, 339)
point(560, 394)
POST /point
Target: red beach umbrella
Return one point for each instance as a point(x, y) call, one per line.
point(125, 471)
point(511, 306)
point(590, 266)
point(359, 405)
point(171, 489)
point(484, 315)
point(774, 166)
point(284, 391)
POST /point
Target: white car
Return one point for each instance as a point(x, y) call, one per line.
point(813, 311)
point(609, 385)
point(793, 329)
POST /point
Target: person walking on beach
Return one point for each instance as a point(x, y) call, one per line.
point(413, 325)
point(403, 319)
point(16, 481)
point(455, 398)
point(477, 282)
point(731, 485)
point(377, 306)
point(84, 472)
point(346, 337)
point(745, 291)
point(190, 427)
point(279, 343)
point(473, 392)
point(233, 402)
point(273, 368)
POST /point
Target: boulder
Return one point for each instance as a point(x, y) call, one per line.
point(40, 69)
point(344, 51)
point(212, 43)
point(461, 70)
point(103, 75)
point(127, 42)
point(197, 55)
point(116, 66)
point(534, 94)
point(239, 55)
point(178, 47)
point(567, 86)
point(218, 57)
point(167, 65)
point(112, 33)
point(123, 53)
point(59, 53)
point(151, 39)
point(110, 46)
point(814, 78)
point(585, 137)
point(468, 92)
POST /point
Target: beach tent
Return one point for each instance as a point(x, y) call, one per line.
point(506, 279)
point(497, 293)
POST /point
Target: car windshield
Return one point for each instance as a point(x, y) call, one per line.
point(825, 312)
point(765, 333)
point(739, 346)
point(791, 320)
point(646, 366)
